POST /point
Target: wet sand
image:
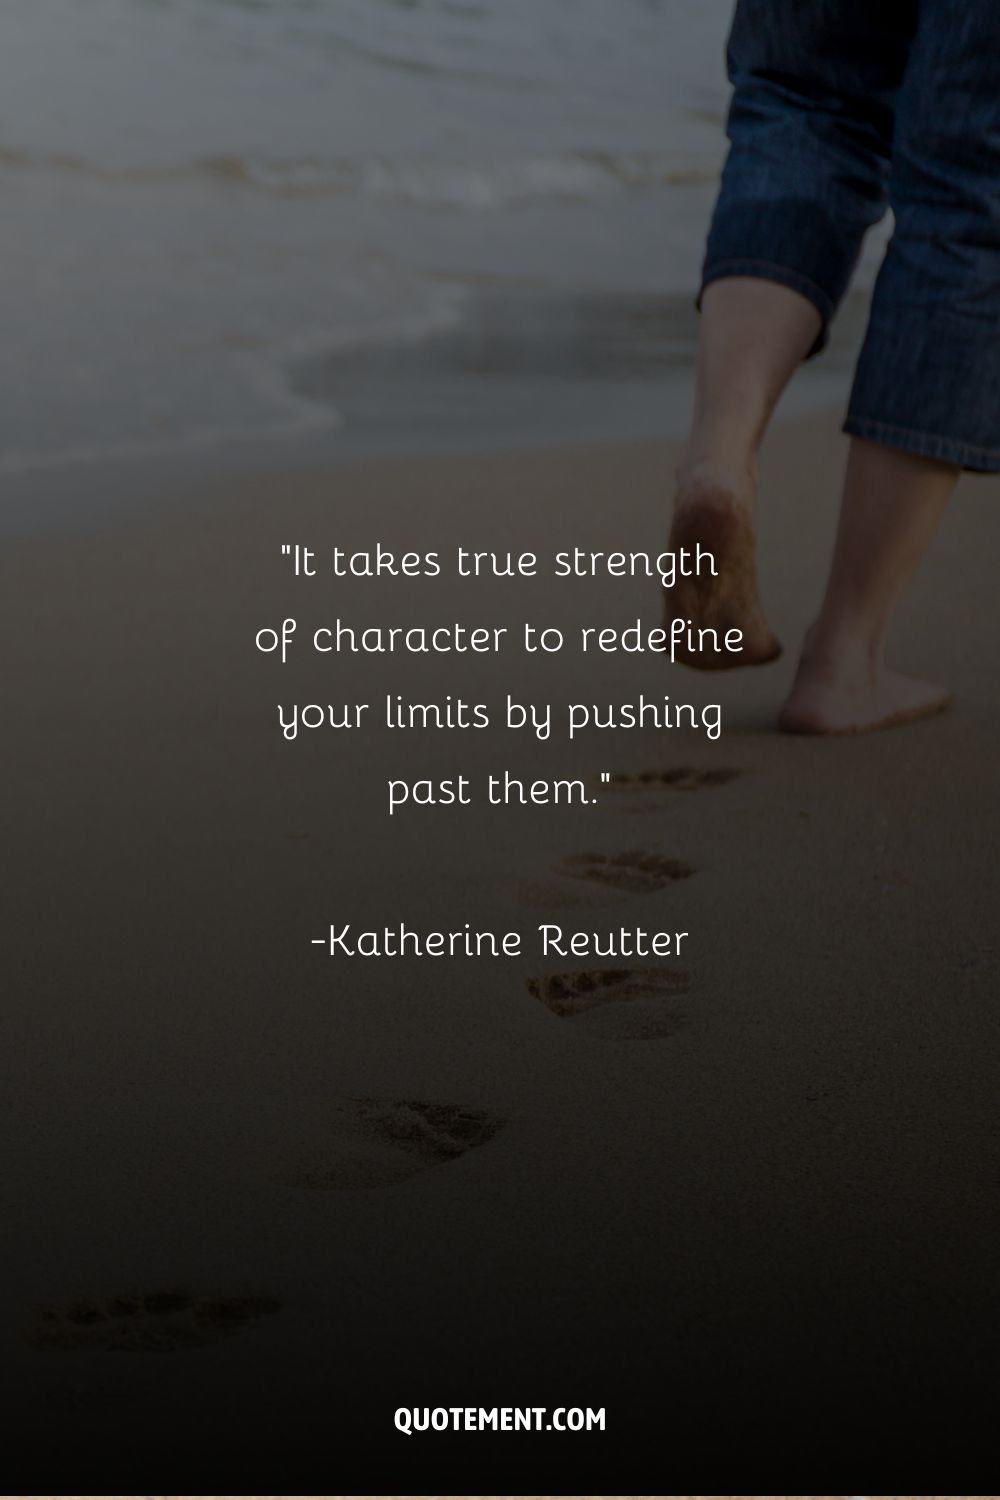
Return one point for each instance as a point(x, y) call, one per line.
point(259, 1198)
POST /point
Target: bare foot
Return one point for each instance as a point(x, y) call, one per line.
point(841, 698)
point(716, 514)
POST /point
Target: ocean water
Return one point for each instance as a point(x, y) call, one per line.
point(375, 223)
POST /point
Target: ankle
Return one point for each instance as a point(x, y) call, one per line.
point(835, 651)
point(716, 479)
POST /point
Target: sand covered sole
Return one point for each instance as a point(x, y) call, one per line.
point(727, 600)
point(896, 720)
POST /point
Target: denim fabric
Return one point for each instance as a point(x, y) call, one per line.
point(842, 108)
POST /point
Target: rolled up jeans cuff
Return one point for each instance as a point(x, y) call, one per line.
point(791, 241)
point(766, 270)
point(970, 456)
point(927, 381)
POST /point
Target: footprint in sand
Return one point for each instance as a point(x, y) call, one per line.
point(637, 871)
point(623, 1003)
point(384, 1141)
point(148, 1322)
point(677, 778)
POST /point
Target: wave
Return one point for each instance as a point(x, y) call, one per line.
point(272, 376)
point(311, 416)
point(430, 182)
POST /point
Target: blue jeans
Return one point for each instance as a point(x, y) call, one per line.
point(842, 108)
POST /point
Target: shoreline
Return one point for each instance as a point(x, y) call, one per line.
point(461, 389)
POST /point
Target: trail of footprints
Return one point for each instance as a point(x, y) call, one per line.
point(628, 1004)
point(382, 1142)
point(386, 1141)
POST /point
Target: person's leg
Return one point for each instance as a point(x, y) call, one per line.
point(891, 507)
point(810, 125)
point(754, 334)
point(928, 379)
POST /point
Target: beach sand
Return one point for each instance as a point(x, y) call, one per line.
point(746, 1201)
